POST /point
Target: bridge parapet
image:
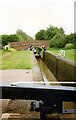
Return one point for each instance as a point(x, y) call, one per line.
point(24, 44)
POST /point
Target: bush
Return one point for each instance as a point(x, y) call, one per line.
point(67, 41)
point(57, 41)
point(69, 46)
point(6, 50)
point(70, 38)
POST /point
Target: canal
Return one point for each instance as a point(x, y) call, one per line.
point(68, 107)
point(46, 73)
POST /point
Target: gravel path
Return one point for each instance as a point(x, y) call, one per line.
point(16, 75)
point(12, 76)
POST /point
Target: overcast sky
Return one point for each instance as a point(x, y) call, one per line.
point(33, 15)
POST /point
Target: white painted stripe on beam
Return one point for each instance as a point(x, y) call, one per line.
point(5, 116)
point(47, 82)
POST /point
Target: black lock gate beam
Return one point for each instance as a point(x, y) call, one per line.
point(38, 92)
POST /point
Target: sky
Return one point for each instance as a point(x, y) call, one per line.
point(34, 15)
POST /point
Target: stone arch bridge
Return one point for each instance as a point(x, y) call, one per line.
point(25, 44)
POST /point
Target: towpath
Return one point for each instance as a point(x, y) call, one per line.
point(13, 76)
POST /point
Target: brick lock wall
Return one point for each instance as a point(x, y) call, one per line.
point(63, 69)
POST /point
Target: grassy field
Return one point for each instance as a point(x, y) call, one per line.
point(17, 60)
point(69, 53)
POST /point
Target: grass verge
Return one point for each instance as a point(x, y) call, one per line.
point(3, 51)
point(69, 53)
point(17, 60)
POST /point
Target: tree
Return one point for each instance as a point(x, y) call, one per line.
point(0, 39)
point(13, 38)
point(9, 38)
point(23, 36)
point(58, 41)
point(49, 33)
point(4, 39)
point(61, 31)
point(40, 35)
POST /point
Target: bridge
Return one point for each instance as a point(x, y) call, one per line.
point(25, 44)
